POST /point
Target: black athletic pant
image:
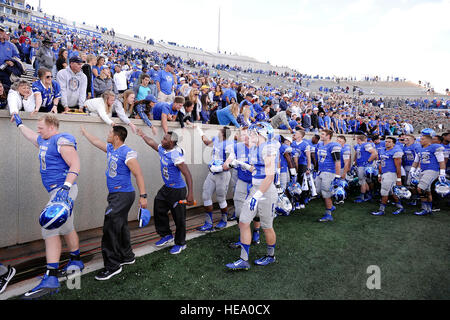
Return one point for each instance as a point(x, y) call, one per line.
point(167, 200)
point(116, 243)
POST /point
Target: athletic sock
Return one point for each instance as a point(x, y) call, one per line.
point(75, 255)
point(245, 249)
point(225, 217)
point(382, 207)
point(271, 250)
point(209, 218)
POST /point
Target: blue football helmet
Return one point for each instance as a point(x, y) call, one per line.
point(55, 214)
point(443, 188)
point(294, 189)
point(284, 206)
point(370, 173)
point(144, 217)
point(264, 129)
point(428, 132)
point(401, 192)
point(338, 193)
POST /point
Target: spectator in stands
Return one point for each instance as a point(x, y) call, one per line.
point(194, 97)
point(103, 83)
point(87, 70)
point(26, 50)
point(73, 83)
point(167, 112)
point(284, 103)
point(99, 66)
point(62, 61)
point(3, 97)
point(142, 89)
point(165, 82)
point(44, 56)
point(102, 107)
point(315, 120)
point(8, 52)
point(20, 97)
point(121, 78)
point(228, 115)
point(47, 92)
point(205, 108)
point(184, 116)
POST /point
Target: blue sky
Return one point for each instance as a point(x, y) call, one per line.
point(406, 38)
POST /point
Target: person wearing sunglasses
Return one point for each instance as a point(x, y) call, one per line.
point(47, 92)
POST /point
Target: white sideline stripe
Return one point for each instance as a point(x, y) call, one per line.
point(21, 288)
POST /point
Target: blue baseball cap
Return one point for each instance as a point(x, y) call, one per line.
point(144, 217)
point(151, 98)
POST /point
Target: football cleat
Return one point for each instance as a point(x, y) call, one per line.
point(398, 211)
point(359, 200)
point(378, 213)
point(326, 218)
point(165, 240)
point(221, 225)
point(232, 218)
point(48, 286)
point(239, 265)
point(265, 261)
point(206, 227)
point(176, 249)
point(422, 213)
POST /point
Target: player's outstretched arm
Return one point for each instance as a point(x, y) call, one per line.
point(29, 134)
point(96, 142)
point(149, 141)
point(188, 177)
point(205, 140)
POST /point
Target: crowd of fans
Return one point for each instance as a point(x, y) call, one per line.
point(109, 79)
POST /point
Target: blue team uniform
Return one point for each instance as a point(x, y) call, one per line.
point(427, 157)
point(325, 158)
point(299, 150)
point(363, 154)
point(258, 155)
point(242, 153)
point(409, 154)
point(387, 159)
point(283, 162)
point(53, 168)
point(162, 107)
point(171, 175)
point(48, 95)
point(118, 177)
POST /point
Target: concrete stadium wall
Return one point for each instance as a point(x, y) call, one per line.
point(22, 196)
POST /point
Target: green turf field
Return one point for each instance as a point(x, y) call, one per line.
point(314, 261)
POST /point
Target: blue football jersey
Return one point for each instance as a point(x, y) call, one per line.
point(53, 168)
point(220, 149)
point(169, 159)
point(325, 158)
point(387, 158)
point(258, 154)
point(380, 146)
point(299, 150)
point(427, 157)
point(242, 153)
point(284, 148)
point(409, 154)
point(363, 153)
point(118, 177)
point(48, 95)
